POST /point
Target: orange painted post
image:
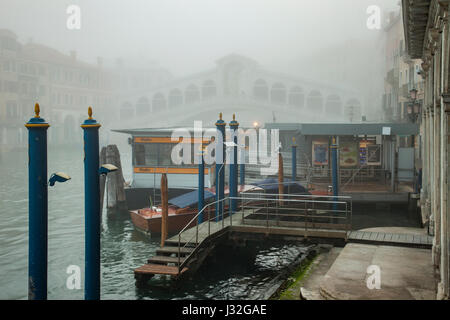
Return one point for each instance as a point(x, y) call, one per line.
point(165, 207)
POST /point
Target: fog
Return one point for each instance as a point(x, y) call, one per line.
point(186, 36)
point(143, 50)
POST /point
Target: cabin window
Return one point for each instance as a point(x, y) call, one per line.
point(156, 154)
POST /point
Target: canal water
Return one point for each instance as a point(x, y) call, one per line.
point(241, 276)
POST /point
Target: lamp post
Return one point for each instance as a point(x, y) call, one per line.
point(234, 125)
point(220, 173)
point(412, 109)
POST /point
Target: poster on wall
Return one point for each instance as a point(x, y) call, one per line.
point(374, 155)
point(320, 153)
point(348, 154)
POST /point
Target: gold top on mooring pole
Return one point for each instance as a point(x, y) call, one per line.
point(37, 110)
point(90, 113)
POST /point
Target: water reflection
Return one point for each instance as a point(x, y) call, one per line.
point(227, 276)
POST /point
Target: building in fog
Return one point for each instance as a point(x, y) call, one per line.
point(401, 74)
point(353, 63)
point(238, 84)
point(63, 85)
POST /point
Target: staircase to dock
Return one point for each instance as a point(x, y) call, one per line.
point(166, 261)
point(259, 214)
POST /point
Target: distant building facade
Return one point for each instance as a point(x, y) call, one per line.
point(63, 85)
point(401, 75)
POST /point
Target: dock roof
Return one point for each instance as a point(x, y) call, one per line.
point(399, 129)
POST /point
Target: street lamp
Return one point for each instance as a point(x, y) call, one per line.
point(413, 94)
point(413, 107)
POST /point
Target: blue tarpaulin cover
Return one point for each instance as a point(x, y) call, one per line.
point(189, 199)
point(271, 184)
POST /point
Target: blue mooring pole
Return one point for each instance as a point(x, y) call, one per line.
point(37, 207)
point(201, 184)
point(220, 166)
point(242, 167)
point(294, 160)
point(92, 208)
point(234, 125)
point(334, 169)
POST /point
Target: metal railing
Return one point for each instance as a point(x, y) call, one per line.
point(295, 210)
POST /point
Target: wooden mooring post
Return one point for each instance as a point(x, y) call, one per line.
point(114, 183)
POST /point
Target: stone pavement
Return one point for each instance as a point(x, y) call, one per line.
point(406, 274)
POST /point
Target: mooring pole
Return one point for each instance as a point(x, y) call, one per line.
point(234, 125)
point(37, 206)
point(92, 208)
point(201, 184)
point(294, 160)
point(220, 173)
point(334, 169)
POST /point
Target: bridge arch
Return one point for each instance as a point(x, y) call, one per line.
point(278, 93)
point(333, 105)
point(315, 101)
point(175, 97)
point(126, 111)
point(192, 94)
point(142, 106)
point(209, 89)
point(159, 102)
point(261, 90)
point(296, 97)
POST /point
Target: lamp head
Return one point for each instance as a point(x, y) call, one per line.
point(107, 168)
point(58, 177)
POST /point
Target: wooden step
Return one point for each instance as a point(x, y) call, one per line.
point(171, 250)
point(151, 269)
point(174, 243)
point(164, 259)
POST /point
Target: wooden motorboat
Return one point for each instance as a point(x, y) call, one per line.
point(183, 209)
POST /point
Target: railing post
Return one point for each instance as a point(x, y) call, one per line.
point(179, 251)
point(209, 220)
point(92, 208)
point(38, 207)
point(223, 208)
point(243, 208)
point(201, 184)
point(306, 218)
point(231, 216)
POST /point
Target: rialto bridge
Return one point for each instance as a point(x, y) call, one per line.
point(239, 85)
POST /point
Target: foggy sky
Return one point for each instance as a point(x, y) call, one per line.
point(187, 36)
